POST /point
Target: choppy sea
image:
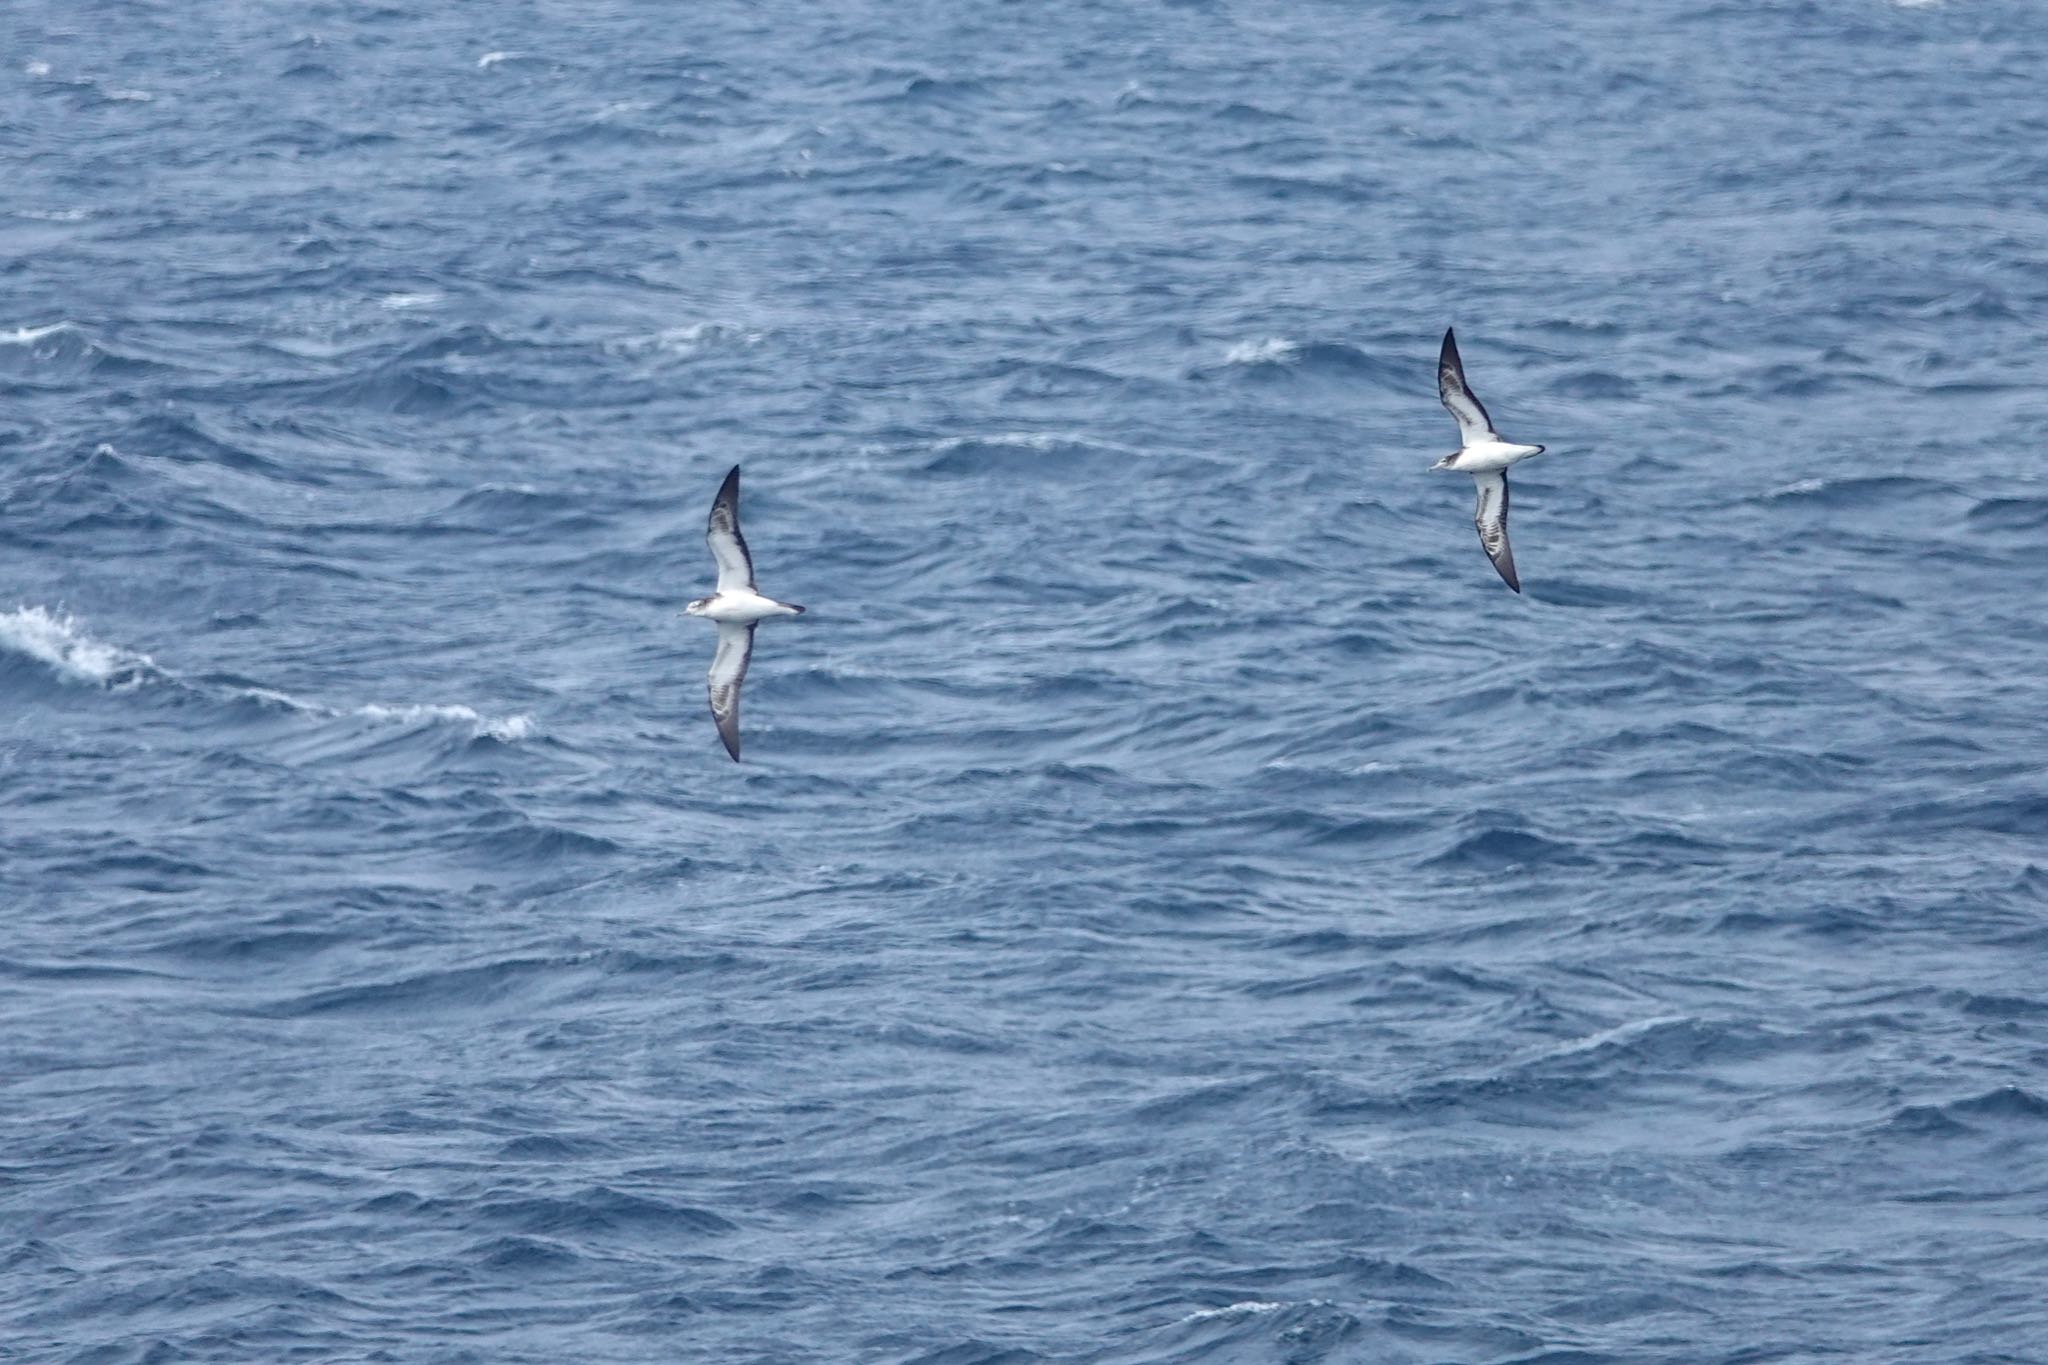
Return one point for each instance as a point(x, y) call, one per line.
point(1178, 905)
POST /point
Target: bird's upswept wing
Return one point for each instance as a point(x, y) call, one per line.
point(1474, 425)
point(728, 547)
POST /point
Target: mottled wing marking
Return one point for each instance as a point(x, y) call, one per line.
point(728, 547)
point(1492, 520)
point(1474, 425)
point(728, 671)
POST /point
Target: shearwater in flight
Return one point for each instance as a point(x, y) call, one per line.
point(736, 607)
point(1483, 455)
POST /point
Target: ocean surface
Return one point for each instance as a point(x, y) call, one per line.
point(1177, 904)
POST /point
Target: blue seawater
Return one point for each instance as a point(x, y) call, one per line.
point(1178, 905)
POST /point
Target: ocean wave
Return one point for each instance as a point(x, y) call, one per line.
point(1284, 358)
point(1026, 452)
point(1500, 849)
point(509, 729)
point(2004, 1109)
point(1860, 491)
point(57, 641)
point(1260, 1330)
point(688, 340)
point(2010, 513)
point(63, 353)
point(1265, 351)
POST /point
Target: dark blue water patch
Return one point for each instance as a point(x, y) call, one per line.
point(2009, 514)
point(244, 945)
point(63, 354)
point(2019, 813)
point(2008, 1102)
point(1344, 190)
point(183, 438)
point(1596, 385)
point(503, 511)
point(973, 1352)
point(539, 1257)
point(1864, 492)
point(1364, 831)
point(486, 988)
point(1030, 455)
point(603, 1216)
point(549, 1148)
point(1607, 1070)
point(1498, 849)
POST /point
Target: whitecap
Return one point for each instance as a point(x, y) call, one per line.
point(491, 59)
point(29, 336)
point(71, 653)
point(1619, 1034)
point(508, 729)
point(1249, 1308)
point(57, 641)
point(689, 339)
point(36, 67)
point(423, 298)
point(1030, 440)
point(1266, 351)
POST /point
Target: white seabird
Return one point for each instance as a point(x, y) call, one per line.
point(736, 607)
point(1483, 455)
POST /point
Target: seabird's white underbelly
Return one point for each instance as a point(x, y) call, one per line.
point(1484, 456)
point(743, 607)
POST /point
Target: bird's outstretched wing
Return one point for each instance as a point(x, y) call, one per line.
point(728, 547)
point(1491, 517)
point(728, 671)
point(1474, 425)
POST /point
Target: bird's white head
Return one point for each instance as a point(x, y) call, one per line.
point(696, 608)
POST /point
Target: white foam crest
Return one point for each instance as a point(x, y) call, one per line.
point(491, 59)
point(690, 339)
point(270, 696)
point(74, 656)
point(57, 641)
point(1249, 1308)
point(1620, 1033)
point(1031, 440)
point(508, 729)
point(420, 299)
point(36, 66)
point(29, 336)
point(1265, 351)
